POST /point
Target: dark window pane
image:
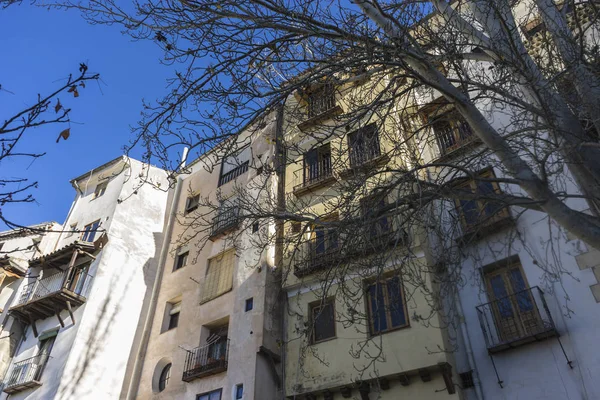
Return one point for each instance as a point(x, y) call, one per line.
point(165, 375)
point(469, 211)
point(491, 207)
point(249, 304)
point(378, 314)
point(216, 395)
point(396, 306)
point(500, 293)
point(173, 320)
point(324, 322)
point(518, 284)
point(319, 240)
point(181, 260)
point(239, 392)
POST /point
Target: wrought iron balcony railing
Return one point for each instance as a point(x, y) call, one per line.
point(25, 374)
point(361, 155)
point(225, 220)
point(515, 320)
point(321, 101)
point(452, 136)
point(313, 175)
point(206, 360)
point(234, 173)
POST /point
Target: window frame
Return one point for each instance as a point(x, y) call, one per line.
point(192, 203)
point(324, 164)
point(87, 232)
point(100, 189)
point(371, 320)
point(163, 380)
point(209, 393)
point(316, 307)
point(172, 313)
point(182, 254)
point(249, 303)
point(483, 218)
point(371, 143)
point(237, 394)
point(324, 93)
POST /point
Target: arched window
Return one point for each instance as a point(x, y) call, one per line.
point(164, 377)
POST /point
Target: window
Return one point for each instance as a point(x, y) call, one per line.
point(219, 276)
point(363, 145)
point(181, 260)
point(165, 375)
point(89, 231)
point(255, 227)
point(239, 391)
point(466, 379)
point(100, 189)
point(192, 203)
point(249, 304)
point(45, 348)
point(374, 226)
point(317, 165)
point(386, 307)
point(320, 100)
point(515, 312)
point(324, 239)
point(478, 212)
point(214, 395)
point(296, 227)
point(450, 129)
point(173, 309)
point(235, 165)
point(322, 321)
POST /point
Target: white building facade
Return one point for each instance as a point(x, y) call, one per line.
point(82, 298)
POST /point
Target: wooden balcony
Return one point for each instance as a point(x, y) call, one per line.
point(50, 295)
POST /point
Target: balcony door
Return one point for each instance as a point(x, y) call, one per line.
point(513, 307)
point(317, 164)
point(76, 278)
point(43, 355)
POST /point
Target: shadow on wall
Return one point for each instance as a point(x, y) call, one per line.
point(150, 270)
point(71, 387)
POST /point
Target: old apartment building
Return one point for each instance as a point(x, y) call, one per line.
point(17, 248)
point(213, 325)
point(83, 290)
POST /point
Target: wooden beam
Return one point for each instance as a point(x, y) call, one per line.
point(404, 379)
point(33, 327)
point(425, 375)
point(346, 392)
point(62, 323)
point(70, 311)
point(446, 370)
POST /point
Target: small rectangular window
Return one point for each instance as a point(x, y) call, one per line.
point(466, 379)
point(213, 395)
point(173, 311)
point(100, 189)
point(89, 232)
point(218, 279)
point(192, 203)
point(181, 260)
point(239, 391)
point(249, 304)
point(322, 321)
point(255, 227)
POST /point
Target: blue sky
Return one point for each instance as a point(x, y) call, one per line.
point(41, 47)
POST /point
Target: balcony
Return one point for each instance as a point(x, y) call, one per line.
point(234, 173)
point(206, 360)
point(226, 220)
point(25, 374)
point(315, 258)
point(313, 176)
point(452, 135)
point(515, 320)
point(45, 297)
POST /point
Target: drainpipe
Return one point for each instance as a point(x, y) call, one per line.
point(141, 352)
point(467, 340)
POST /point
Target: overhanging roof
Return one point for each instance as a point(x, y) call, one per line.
point(62, 256)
